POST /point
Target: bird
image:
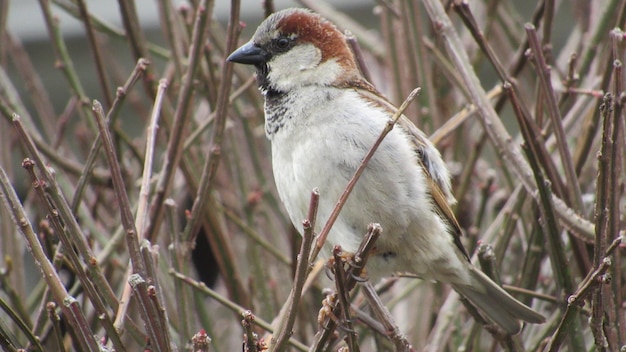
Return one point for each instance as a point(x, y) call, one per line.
point(321, 118)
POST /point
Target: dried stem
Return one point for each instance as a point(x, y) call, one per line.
point(156, 327)
point(75, 317)
point(128, 222)
point(210, 166)
point(492, 124)
point(181, 121)
point(97, 53)
point(121, 94)
point(251, 342)
point(391, 330)
point(356, 268)
point(232, 306)
point(543, 71)
point(287, 319)
point(343, 296)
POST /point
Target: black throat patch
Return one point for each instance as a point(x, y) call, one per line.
point(276, 110)
point(277, 102)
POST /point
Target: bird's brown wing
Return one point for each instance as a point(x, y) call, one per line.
point(428, 157)
point(444, 209)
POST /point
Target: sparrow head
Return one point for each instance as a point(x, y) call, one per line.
point(295, 48)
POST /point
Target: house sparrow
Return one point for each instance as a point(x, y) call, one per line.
point(322, 117)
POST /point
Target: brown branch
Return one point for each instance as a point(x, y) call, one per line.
point(75, 317)
point(287, 317)
point(392, 331)
point(343, 296)
point(181, 121)
point(543, 71)
point(356, 268)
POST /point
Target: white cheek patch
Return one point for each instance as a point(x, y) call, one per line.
point(299, 58)
point(300, 66)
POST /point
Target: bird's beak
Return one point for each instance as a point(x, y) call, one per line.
point(249, 54)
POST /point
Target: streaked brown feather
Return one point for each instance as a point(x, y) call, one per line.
point(444, 209)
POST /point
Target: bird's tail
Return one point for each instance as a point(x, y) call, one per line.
point(499, 306)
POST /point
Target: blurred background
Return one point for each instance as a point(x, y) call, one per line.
point(246, 249)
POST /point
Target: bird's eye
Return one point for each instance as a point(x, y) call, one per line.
point(282, 43)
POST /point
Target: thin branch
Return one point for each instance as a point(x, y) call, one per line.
point(210, 166)
point(491, 122)
point(543, 71)
point(201, 287)
point(343, 295)
point(120, 97)
point(354, 272)
point(76, 319)
point(392, 331)
point(181, 121)
point(97, 53)
point(287, 317)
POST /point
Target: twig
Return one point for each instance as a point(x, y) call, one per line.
point(97, 54)
point(287, 319)
point(144, 190)
point(556, 247)
point(181, 121)
point(128, 222)
point(355, 270)
point(65, 62)
point(617, 162)
point(150, 255)
point(180, 252)
point(147, 302)
point(594, 279)
point(120, 191)
point(251, 342)
point(449, 310)
point(609, 168)
point(173, 33)
point(543, 71)
point(254, 235)
point(613, 15)
point(460, 117)
point(60, 212)
point(201, 287)
point(21, 323)
point(358, 55)
point(569, 317)
point(56, 325)
point(603, 215)
point(75, 317)
point(551, 225)
point(33, 82)
point(268, 7)
point(215, 146)
point(392, 331)
point(57, 225)
point(135, 36)
point(530, 293)
point(492, 124)
point(8, 110)
point(343, 296)
point(120, 97)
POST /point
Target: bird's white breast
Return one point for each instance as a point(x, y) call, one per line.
point(324, 136)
